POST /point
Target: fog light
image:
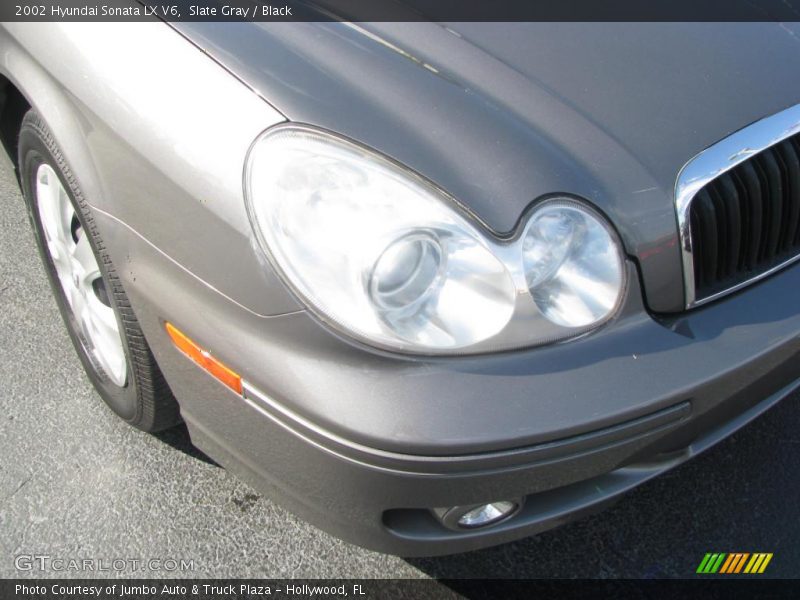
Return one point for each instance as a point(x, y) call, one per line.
point(487, 514)
point(477, 516)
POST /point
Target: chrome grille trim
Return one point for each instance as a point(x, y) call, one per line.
point(710, 164)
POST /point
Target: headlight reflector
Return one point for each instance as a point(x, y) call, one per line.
point(388, 258)
point(573, 268)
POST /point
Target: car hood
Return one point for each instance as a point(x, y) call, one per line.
point(500, 114)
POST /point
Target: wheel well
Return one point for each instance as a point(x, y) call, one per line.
point(13, 107)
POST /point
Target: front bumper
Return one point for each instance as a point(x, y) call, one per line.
point(364, 445)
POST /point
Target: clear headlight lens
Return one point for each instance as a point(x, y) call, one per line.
point(389, 259)
point(572, 266)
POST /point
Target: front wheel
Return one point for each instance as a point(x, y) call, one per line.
point(94, 306)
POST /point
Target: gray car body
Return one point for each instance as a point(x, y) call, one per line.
point(156, 121)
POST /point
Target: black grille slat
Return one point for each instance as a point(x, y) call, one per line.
point(747, 220)
point(796, 147)
point(755, 212)
point(726, 191)
point(698, 247)
point(707, 219)
point(717, 205)
point(763, 188)
point(774, 202)
point(791, 164)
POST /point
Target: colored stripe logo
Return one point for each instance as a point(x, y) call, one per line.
point(734, 562)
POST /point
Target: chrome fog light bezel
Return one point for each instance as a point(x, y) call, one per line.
point(457, 518)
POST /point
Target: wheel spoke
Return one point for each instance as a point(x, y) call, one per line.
point(77, 302)
point(104, 317)
point(60, 255)
point(106, 337)
point(45, 200)
point(55, 208)
point(66, 213)
point(84, 255)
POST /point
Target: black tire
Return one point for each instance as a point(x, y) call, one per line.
point(145, 400)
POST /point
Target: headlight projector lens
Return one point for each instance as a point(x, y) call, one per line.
point(407, 272)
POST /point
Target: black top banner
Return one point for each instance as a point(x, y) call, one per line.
point(401, 10)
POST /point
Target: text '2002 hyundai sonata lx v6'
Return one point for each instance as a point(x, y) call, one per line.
point(432, 288)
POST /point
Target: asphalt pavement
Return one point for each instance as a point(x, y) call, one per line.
point(75, 482)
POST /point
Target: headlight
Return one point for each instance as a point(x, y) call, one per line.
point(572, 265)
point(386, 257)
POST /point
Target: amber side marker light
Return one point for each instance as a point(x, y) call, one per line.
point(204, 359)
